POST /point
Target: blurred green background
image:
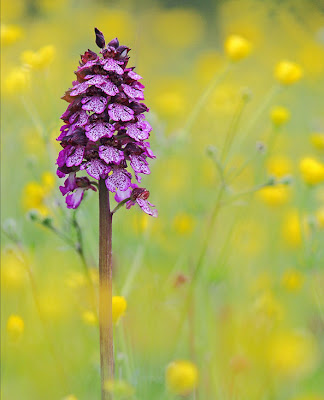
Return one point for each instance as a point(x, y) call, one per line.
point(254, 325)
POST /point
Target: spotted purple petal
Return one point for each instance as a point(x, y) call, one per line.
point(95, 104)
point(98, 130)
point(139, 164)
point(110, 154)
point(132, 92)
point(96, 169)
point(134, 75)
point(119, 112)
point(109, 88)
point(139, 130)
point(79, 89)
point(109, 64)
point(76, 157)
point(118, 180)
point(145, 206)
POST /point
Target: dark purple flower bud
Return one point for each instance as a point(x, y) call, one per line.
point(100, 40)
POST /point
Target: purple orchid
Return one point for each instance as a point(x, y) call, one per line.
point(105, 132)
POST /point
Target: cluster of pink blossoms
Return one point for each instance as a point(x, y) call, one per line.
point(104, 128)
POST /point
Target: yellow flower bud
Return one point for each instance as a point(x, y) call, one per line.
point(237, 47)
point(287, 72)
point(10, 34)
point(17, 81)
point(119, 305)
point(312, 171)
point(15, 327)
point(279, 115)
point(317, 140)
point(181, 377)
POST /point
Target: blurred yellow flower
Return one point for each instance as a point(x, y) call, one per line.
point(319, 215)
point(237, 47)
point(17, 81)
point(291, 354)
point(13, 273)
point(317, 140)
point(276, 195)
point(34, 198)
point(119, 305)
point(179, 28)
point(39, 59)
point(15, 327)
point(312, 170)
point(10, 34)
point(279, 115)
point(293, 229)
point(89, 318)
point(181, 377)
point(75, 280)
point(279, 166)
point(140, 222)
point(70, 397)
point(268, 307)
point(207, 65)
point(48, 181)
point(170, 102)
point(292, 280)
point(120, 389)
point(183, 224)
point(287, 72)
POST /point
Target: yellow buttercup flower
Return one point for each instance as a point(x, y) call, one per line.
point(287, 72)
point(10, 34)
point(39, 59)
point(181, 377)
point(274, 195)
point(15, 327)
point(17, 81)
point(119, 305)
point(183, 224)
point(317, 140)
point(34, 198)
point(312, 170)
point(292, 280)
point(291, 354)
point(237, 47)
point(279, 115)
